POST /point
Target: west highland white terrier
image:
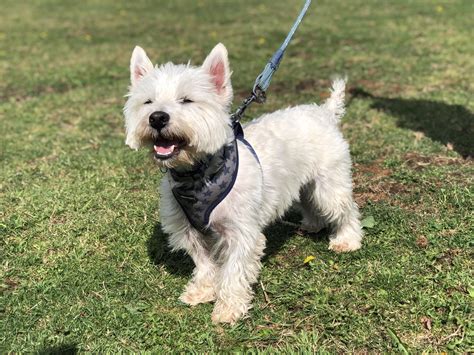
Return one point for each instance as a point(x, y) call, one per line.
point(221, 188)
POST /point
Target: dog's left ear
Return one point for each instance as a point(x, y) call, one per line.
point(216, 65)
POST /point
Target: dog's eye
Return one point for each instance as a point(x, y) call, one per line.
point(147, 102)
point(185, 100)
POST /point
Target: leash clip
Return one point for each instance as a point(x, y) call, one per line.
point(263, 80)
point(259, 94)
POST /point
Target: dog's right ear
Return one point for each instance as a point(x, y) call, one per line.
point(140, 64)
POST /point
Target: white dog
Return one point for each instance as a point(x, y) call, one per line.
point(301, 157)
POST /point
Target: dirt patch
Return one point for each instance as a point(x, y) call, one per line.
point(360, 88)
point(54, 219)
point(369, 89)
point(366, 84)
point(381, 191)
point(418, 161)
point(18, 95)
point(9, 284)
point(241, 95)
point(304, 85)
point(372, 183)
point(312, 85)
point(448, 257)
point(375, 170)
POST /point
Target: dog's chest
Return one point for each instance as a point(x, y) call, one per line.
point(199, 191)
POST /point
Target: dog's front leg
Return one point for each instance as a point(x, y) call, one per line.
point(239, 257)
point(200, 289)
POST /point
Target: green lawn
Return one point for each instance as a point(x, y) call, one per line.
point(84, 266)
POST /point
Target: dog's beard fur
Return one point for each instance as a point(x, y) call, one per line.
point(303, 158)
point(146, 136)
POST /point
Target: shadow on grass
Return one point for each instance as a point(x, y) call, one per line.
point(439, 121)
point(279, 233)
point(179, 263)
point(67, 349)
point(176, 263)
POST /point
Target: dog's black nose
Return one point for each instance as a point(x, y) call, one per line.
point(159, 119)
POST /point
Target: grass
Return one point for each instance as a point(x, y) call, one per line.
point(83, 262)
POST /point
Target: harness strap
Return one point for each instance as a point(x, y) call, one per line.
point(239, 135)
point(249, 146)
point(199, 190)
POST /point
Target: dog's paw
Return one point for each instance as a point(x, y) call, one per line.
point(225, 313)
point(343, 246)
point(195, 294)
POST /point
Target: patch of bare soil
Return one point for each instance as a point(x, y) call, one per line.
point(418, 161)
point(372, 183)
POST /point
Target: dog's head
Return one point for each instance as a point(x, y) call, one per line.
point(180, 110)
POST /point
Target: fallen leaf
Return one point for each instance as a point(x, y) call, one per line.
point(422, 241)
point(419, 136)
point(368, 222)
point(308, 259)
point(426, 321)
point(471, 291)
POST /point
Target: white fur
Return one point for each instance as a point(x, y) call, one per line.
point(304, 160)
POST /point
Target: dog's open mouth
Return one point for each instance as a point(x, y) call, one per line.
point(166, 148)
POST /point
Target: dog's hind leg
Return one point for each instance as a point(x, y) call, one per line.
point(313, 221)
point(330, 201)
point(240, 255)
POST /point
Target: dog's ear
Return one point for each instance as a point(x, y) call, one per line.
point(139, 65)
point(216, 65)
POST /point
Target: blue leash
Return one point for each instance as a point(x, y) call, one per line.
point(263, 80)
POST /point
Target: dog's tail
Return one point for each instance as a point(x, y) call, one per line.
point(335, 103)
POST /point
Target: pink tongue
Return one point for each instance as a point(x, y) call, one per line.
point(164, 150)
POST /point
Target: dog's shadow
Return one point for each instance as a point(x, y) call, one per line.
point(439, 121)
point(66, 349)
point(176, 263)
point(180, 264)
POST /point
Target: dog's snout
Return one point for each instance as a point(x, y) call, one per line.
point(159, 119)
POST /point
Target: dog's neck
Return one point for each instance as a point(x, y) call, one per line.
point(207, 164)
point(200, 189)
point(207, 159)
